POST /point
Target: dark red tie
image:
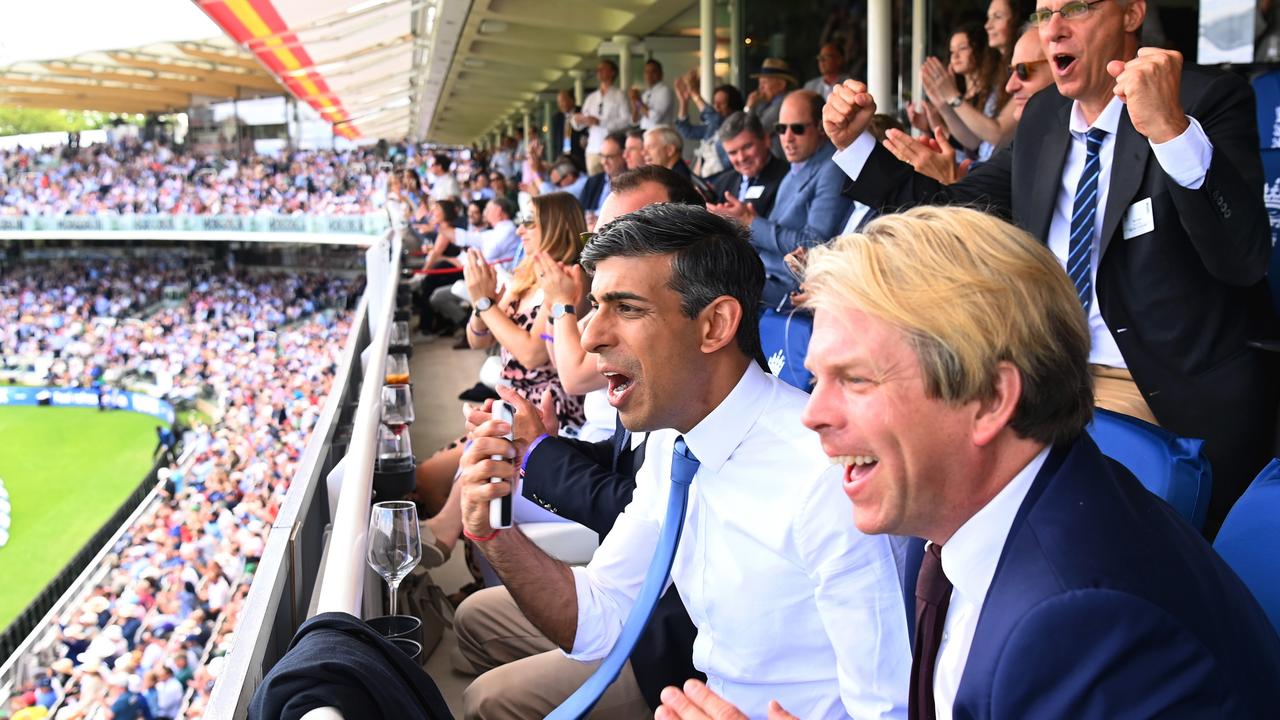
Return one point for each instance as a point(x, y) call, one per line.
point(933, 594)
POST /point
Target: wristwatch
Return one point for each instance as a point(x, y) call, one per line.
point(483, 304)
point(559, 310)
point(956, 101)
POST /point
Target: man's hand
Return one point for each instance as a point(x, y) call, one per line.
point(933, 157)
point(847, 113)
point(1148, 85)
point(530, 422)
point(476, 468)
point(697, 702)
point(734, 209)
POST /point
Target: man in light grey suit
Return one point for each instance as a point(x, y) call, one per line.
point(809, 208)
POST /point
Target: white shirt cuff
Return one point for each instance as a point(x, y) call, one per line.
point(853, 158)
point(1186, 158)
point(591, 641)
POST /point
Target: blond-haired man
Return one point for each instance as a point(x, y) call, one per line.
point(952, 372)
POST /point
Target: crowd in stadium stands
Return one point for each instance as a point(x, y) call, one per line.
point(154, 630)
point(792, 168)
point(957, 361)
point(132, 177)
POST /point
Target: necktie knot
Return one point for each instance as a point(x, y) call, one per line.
point(683, 463)
point(932, 585)
point(1093, 140)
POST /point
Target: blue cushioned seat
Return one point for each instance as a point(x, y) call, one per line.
point(1249, 540)
point(1171, 467)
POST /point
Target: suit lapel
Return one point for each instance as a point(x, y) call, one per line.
point(1046, 174)
point(1128, 165)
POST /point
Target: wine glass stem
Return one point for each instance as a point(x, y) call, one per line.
point(392, 586)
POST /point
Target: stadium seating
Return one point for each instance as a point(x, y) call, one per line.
point(1172, 467)
point(1249, 540)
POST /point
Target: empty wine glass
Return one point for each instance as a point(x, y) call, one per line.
point(397, 369)
point(399, 333)
point(397, 405)
point(394, 547)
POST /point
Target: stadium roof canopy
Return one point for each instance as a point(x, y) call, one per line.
point(448, 71)
point(90, 55)
point(440, 70)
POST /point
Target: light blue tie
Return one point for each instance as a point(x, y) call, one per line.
point(683, 467)
point(1084, 214)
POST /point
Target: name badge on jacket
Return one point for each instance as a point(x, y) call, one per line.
point(754, 192)
point(1138, 219)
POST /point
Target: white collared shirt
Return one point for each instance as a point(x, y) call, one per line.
point(1185, 159)
point(660, 100)
point(612, 109)
point(499, 242)
point(790, 600)
point(969, 561)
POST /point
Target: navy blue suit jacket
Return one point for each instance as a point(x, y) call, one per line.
point(1106, 604)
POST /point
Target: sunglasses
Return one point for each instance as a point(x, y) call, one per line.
point(795, 128)
point(1023, 69)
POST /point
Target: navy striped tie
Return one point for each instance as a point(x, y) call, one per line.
point(1084, 213)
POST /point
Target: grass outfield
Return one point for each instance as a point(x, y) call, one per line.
point(67, 470)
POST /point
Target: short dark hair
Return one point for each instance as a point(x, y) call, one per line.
point(442, 160)
point(618, 137)
point(679, 189)
point(654, 63)
point(611, 64)
point(634, 133)
point(733, 94)
point(508, 208)
point(711, 257)
point(738, 123)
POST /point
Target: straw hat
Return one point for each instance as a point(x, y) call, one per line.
point(62, 666)
point(776, 67)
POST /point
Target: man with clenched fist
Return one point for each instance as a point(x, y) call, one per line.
point(1143, 177)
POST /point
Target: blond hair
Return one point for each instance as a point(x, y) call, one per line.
point(969, 291)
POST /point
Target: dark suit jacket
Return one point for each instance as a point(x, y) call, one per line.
point(592, 191)
point(591, 484)
point(1106, 603)
point(335, 660)
point(1178, 299)
point(577, 141)
point(770, 177)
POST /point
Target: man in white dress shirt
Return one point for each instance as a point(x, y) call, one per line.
point(791, 602)
point(656, 105)
point(604, 111)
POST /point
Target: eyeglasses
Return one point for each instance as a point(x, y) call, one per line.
point(1023, 69)
point(1070, 11)
point(795, 128)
